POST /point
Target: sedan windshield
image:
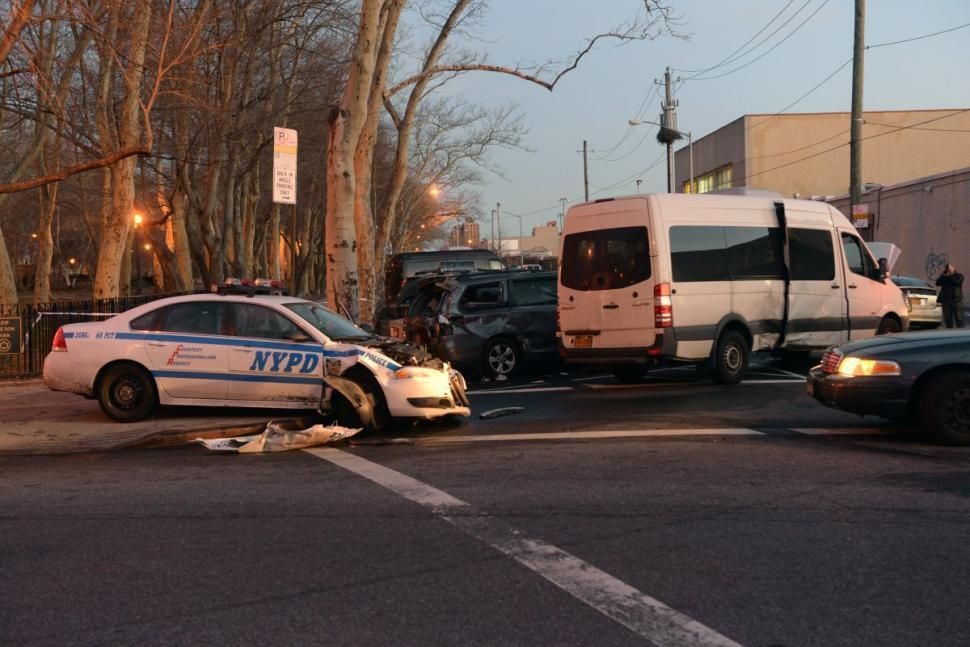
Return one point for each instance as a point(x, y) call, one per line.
point(328, 322)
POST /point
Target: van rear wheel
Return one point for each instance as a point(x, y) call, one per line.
point(731, 358)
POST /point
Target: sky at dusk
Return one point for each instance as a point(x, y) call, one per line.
point(616, 83)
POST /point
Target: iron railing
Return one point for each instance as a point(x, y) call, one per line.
point(38, 324)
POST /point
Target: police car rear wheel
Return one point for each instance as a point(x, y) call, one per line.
point(127, 393)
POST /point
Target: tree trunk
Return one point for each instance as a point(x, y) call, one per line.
point(45, 246)
point(273, 243)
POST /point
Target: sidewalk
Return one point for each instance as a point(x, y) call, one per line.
point(36, 420)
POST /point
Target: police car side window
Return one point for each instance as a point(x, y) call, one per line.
point(146, 321)
point(261, 322)
point(196, 318)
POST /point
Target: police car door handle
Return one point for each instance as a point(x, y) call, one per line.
point(242, 349)
point(156, 343)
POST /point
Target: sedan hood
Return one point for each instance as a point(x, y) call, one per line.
point(909, 341)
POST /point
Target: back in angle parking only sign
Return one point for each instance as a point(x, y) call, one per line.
point(9, 335)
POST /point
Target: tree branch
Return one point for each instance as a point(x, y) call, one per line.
point(67, 172)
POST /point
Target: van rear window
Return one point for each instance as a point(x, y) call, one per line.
point(605, 259)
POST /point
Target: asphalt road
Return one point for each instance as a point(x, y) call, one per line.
point(671, 512)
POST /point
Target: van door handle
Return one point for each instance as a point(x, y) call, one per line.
point(835, 286)
point(852, 286)
point(610, 306)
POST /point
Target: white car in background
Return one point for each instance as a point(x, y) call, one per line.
point(924, 311)
point(249, 350)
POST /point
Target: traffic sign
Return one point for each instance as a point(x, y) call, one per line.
point(284, 165)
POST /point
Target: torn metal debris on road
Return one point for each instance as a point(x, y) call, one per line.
point(498, 413)
point(276, 439)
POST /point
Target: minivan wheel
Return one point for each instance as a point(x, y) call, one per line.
point(945, 406)
point(629, 373)
point(501, 357)
point(731, 358)
point(887, 326)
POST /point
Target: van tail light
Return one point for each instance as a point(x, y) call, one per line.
point(558, 322)
point(663, 308)
point(60, 344)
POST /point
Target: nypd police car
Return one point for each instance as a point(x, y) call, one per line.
point(249, 350)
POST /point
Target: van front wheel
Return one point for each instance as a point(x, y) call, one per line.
point(731, 358)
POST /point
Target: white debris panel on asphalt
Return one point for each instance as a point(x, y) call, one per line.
point(276, 439)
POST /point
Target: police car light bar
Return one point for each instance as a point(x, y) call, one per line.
point(251, 287)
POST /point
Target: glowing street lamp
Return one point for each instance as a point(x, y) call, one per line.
point(434, 191)
point(137, 219)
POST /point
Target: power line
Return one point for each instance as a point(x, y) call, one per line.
point(766, 52)
point(647, 133)
point(629, 131)
point(730, 56)
point(798, 100)
point(655, 163)
point(910, 40)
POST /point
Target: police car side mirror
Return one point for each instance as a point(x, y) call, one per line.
point(298, 336)
point(366, 328)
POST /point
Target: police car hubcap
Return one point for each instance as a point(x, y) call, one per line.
point(127, 392)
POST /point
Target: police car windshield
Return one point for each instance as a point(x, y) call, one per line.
point(328, 322)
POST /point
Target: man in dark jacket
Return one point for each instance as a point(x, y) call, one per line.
point(951, 296)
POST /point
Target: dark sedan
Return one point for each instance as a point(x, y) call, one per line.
point(921, 377)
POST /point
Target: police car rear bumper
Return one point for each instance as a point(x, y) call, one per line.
point(60, 374)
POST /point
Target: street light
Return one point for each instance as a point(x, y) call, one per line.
point(690, 146)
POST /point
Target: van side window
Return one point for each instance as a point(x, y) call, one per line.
point(857, 257)
point(534, 292)
point(698, 254)
point(485, 295)
point(754, 253)
point(605, 259)
point(812, 256)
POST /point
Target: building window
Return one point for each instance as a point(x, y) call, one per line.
point(720, 178)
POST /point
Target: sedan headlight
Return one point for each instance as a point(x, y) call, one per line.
point(858, 367)
point(412, 372)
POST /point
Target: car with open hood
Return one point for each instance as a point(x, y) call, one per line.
point(236, 349)
point(919, 377)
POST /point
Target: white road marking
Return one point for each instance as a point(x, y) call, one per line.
point(644, 615)
point(589, 435)
point(823, 431)
point(595, 377)
point(784, 372)
point(526, 388)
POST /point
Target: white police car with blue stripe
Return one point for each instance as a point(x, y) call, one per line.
point(240, 350)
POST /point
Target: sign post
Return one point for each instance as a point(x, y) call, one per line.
point(284, 183)
point(860, 216)
point(10, 335)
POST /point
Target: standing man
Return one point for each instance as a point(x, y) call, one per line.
point(951, 296)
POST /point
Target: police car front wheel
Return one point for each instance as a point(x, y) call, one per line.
point(127, 393)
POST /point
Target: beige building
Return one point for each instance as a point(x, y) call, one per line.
point(808, 154)
point(927, 218)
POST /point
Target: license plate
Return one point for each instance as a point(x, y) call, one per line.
point(583, 341)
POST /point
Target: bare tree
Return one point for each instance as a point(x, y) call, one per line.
point(350, 247)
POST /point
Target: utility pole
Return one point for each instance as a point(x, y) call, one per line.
point(562, 213)
point(668, 130)
point(491, 239)
point(855, 138)
point(498, 225)
point(585, 171)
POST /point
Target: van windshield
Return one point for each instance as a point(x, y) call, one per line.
point(605, 259)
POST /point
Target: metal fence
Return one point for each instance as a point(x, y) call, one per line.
point(38, 323)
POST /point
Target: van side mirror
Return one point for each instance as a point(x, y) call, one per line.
point(883, 269)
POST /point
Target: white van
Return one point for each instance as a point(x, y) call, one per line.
point(712, 278)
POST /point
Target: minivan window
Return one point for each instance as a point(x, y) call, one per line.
point(534, 292)
point(812, 256)
point(605, 259)
point(484, 295)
